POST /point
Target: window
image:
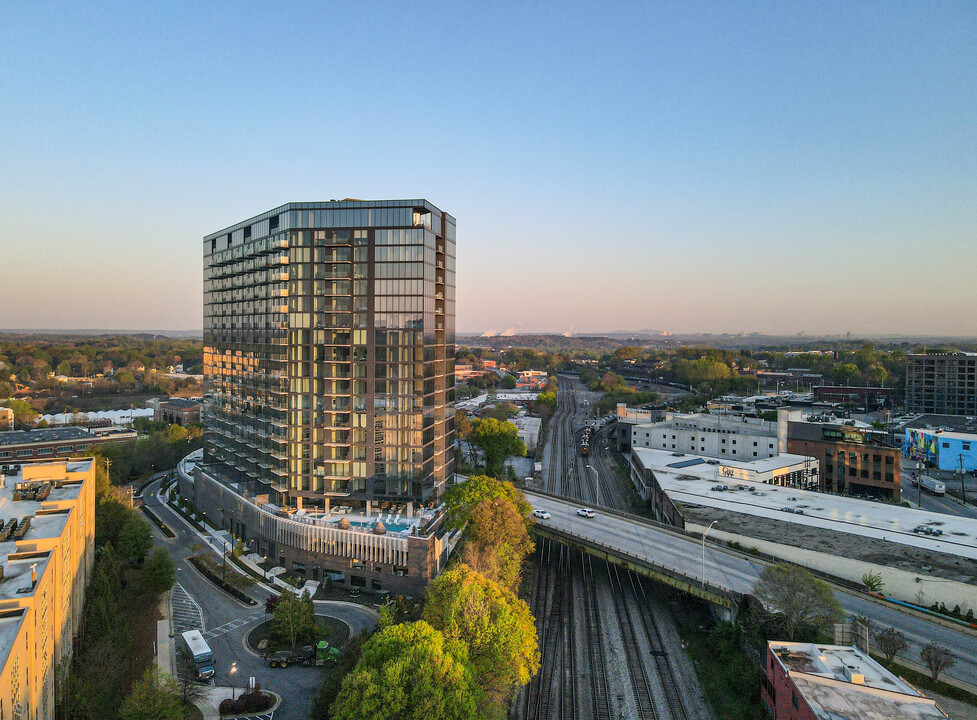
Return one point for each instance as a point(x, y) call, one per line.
point(64, 449)
point(6, 454)
point(24, 453)
point(793, 700)
point(357, 581)
point(45, 451)
point(946, 445)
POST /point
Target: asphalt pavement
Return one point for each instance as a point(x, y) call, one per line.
point(226, 621)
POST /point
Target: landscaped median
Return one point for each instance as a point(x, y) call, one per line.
point(157, 522)
point(210, 570)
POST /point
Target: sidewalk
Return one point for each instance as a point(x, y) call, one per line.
point(164, 642)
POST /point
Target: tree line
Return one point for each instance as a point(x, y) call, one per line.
point(475, 642)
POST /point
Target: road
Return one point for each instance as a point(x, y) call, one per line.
point(666, 549)
point(947, 504)
point(740, 574)
point(227, 621)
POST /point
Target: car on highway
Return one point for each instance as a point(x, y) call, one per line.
point(541, 514)
point(586, 512)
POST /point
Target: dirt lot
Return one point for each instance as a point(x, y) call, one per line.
point(842, 544)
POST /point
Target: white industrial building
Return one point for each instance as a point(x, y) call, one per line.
point(724, 437)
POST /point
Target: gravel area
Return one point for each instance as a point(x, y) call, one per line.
point(871, 550)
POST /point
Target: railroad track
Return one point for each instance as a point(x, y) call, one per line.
point(643, 697)
point(551, 693)
point(600, 698)
point(666, 673)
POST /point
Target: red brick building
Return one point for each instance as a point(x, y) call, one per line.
point(803, 681)
point(178, 410)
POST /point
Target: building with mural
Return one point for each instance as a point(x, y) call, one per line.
point(946, 450)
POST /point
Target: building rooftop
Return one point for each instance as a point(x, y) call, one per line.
point(179, 402)
point(839, 682)
point(954, 423)
point(22, 568)
point(694, 484)
point(25, 437)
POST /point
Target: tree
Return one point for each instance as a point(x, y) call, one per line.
point(64, 368)
point(461, 499)
point(410, 671)
point(191, 691)
point(497, 541)
point(508, 383)
point(125, 377)
point(937, 659)
point(154, 697)
point(547, 398)
point(799, 598)
point(497, 627)
point(891, 642)
point(502, 411)
point(135, 539)
point(24, 414)
point(293, 619)
point(873, 581)
point(497, 440)
point(158, 572)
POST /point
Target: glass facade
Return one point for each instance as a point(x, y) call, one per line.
point(329, 352)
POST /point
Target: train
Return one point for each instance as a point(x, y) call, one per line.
point(585, 442)
point(932, 486)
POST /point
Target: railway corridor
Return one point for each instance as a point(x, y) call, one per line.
point(606, 650)
point(609, 648)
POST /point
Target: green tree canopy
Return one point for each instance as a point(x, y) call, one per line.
point(498, 440)
point(155, 697)
point(497, 541)
point(293, 619)
point(135, 538)
point(410, 671)
point(461, 499)
point(798, 598)
point(158, 572)
point(496, 625)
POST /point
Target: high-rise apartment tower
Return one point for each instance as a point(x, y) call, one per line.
point(329, 336)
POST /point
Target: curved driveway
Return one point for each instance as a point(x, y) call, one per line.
point(227, 621)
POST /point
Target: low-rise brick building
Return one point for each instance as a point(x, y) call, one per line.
point(63, 442)
point(178, 410)
point(803, 681)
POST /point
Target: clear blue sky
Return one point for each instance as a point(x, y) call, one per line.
point(773, 167)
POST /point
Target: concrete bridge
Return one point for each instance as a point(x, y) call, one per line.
point(664, 554)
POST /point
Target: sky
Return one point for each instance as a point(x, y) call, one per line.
point(683, 166)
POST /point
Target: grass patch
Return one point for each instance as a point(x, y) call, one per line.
point(924, 681)
point(748, 549)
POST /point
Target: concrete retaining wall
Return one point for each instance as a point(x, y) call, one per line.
point(902, 585)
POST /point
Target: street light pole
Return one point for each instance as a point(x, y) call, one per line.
point(704, 551)
point(233, 686)
point(596, 483)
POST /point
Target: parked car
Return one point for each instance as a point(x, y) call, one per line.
point(586, 512)
point(541, 514)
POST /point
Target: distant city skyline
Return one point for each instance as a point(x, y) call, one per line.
point(693, 167)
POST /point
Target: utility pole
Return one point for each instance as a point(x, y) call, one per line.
point(963, 484)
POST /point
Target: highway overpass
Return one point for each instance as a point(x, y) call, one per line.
point(666, 555)
point(675, 558)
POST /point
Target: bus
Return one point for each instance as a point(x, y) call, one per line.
point(196, 649)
